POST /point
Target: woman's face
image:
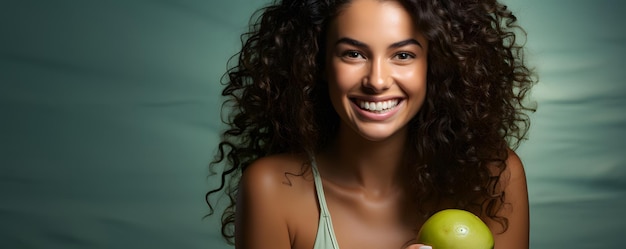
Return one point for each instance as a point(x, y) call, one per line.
point(376, 68)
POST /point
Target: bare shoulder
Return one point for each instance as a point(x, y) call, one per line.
point(270, 193)
point(515, 208)
point(514, 168)
point(276, 172)
point(275, 180)
point(513, 182)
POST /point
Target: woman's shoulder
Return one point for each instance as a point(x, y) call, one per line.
point(515, 206)
point(278, 175)
point(275, 201)
point(514, 170)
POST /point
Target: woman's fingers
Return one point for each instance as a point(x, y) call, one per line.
point(418, 246)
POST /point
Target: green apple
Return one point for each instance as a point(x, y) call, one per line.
point(455, 229)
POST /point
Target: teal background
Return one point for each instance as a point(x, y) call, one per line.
point(109, 114)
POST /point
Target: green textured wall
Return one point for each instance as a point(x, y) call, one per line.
point(109, 113)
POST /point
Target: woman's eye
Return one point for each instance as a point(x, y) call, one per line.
point(353, 55)
point(404, 56)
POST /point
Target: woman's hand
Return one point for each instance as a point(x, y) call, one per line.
point(418, 246)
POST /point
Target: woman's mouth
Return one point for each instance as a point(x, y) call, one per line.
point(377, 106)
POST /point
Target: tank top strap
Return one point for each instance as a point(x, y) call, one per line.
point(325, 238)
point(319, 189)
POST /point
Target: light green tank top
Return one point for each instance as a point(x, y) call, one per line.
point(325, 238)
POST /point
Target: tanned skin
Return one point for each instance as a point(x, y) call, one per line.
point(374, 54)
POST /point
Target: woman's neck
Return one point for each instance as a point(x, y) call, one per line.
point(372, 165)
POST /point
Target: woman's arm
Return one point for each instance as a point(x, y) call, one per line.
point(515, 208)
point(260, 219)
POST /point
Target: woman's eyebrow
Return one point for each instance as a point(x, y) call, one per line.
point(351, 41)
point(405, 42)
point(356, 43)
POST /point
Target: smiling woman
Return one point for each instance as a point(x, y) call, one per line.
point(109, 108)
point(379, 114)
point(376, 68)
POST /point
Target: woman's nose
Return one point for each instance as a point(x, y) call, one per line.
point(378, 78)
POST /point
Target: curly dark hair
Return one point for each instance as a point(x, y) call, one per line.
point(277, 98)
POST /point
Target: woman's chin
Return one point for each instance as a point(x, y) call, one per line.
point(377, 134)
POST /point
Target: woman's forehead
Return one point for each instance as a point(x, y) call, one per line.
point(373, 20)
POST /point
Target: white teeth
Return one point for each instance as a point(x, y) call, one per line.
point(378, 106)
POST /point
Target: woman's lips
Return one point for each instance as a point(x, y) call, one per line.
point(377, 106)
point(376, 110)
